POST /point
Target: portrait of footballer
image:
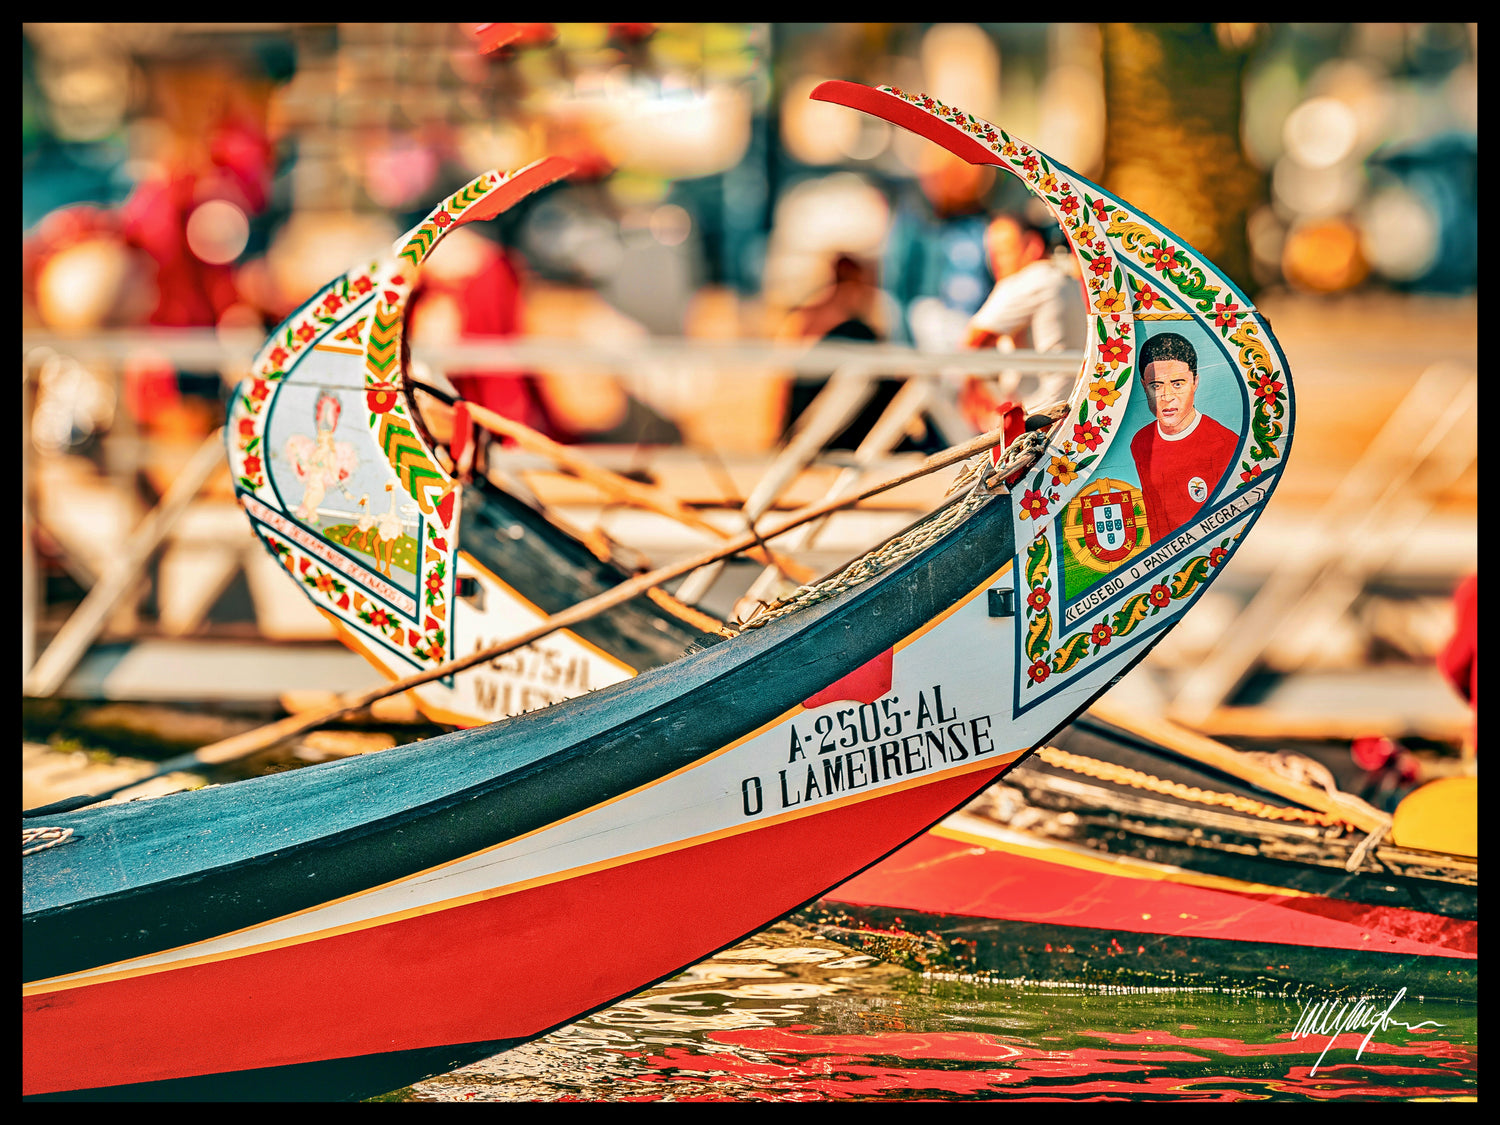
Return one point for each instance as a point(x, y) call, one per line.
point(1182, 453)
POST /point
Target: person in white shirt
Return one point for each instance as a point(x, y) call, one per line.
point(1037, 303)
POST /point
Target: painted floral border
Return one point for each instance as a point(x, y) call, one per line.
point(301, 330)
point(393, 431)
point(1095, 637)
point(424, 638)
point(1106, 237)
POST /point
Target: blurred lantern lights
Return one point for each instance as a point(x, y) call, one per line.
point(670, 225)
point(217, 232)
point(73, 403)
point(1341, 205)
point(816, 132)
point(1324, 256)
point(1320, 132)
point(400, 174)
point(1071, 113)
point(1399, 233)
point(668, 128)
point(961, 66)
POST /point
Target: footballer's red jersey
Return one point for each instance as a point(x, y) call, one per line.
point(1177, 474)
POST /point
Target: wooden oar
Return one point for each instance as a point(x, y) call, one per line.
point(262, 738)
point(1204, 750)
point(620, 487)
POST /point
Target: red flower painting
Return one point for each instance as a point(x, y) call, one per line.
point(380, 399)
point(1033, 504)
point(1088, 435)
point(1147, 298)
point(1114, 351)
point(1267, 386)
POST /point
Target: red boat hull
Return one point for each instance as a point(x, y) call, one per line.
point(952, 881)
point(551, 953)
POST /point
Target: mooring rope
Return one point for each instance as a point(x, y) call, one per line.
point(985, 478)
point(38, 839)
point(1137, 779)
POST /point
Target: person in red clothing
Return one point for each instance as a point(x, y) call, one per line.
point(1183, 454)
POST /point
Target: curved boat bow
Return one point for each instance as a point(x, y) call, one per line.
point(344, 929)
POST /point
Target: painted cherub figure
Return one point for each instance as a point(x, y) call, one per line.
point(322, 462)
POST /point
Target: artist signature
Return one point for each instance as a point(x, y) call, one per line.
point(1333, 1017)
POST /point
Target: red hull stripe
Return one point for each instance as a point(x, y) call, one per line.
point(934, 875)
point(506, 967)
point(865, 684)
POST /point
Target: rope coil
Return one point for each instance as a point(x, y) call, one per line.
point(1136, 779)
point(39, 839)
point(985, 477)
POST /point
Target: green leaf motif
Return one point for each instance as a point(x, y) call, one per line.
point(1074, 649)
point(1192, 283)
point(1131, 614)
point(1189, 578)
point(1038, 559)
point(1039, 635)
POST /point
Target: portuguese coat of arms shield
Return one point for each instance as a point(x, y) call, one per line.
point(1105, 525)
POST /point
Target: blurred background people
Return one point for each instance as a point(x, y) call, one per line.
point(935, 262)
point(850, 307)
point(469, 288)
point(847, 309)
point(203, 177)
point(1037, 303)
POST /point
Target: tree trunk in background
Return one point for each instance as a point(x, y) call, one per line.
point(1172, 147)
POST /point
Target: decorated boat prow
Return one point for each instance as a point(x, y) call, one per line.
point(344, 929)
point(390, 533)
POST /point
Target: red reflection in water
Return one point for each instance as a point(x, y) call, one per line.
point(795, 1064)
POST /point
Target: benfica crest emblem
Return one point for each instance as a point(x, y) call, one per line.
point(1105, 525)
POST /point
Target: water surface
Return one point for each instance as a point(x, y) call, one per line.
point(788, 1016)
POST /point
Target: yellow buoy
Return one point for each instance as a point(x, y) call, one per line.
point(1441, 816)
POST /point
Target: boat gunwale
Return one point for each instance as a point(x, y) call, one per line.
point(548, 738)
